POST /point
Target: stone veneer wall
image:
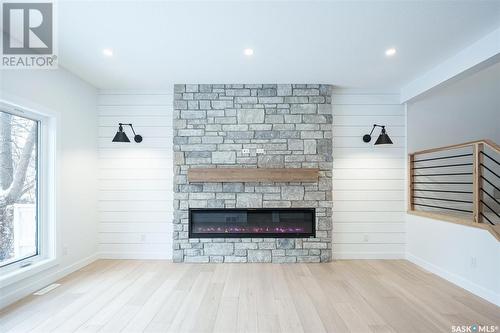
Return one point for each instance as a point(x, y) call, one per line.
point(212, 124)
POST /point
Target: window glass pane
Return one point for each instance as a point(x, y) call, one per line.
point(18, 188)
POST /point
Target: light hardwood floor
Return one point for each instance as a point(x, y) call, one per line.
point(158, 296)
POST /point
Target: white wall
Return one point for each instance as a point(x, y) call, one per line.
point(75, 102)
point(136, 179)
point(464, 110)
point(368, 180)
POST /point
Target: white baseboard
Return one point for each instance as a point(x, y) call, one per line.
point(12, 296)
point(368, 255)
point(468, 285)
point(135, 255)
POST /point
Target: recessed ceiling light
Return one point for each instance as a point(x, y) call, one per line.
point(248, 52)
point(390, 52)
point(107, 52)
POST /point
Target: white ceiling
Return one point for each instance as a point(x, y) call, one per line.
point(158, 43)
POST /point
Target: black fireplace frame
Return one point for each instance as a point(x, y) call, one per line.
point(253, 235)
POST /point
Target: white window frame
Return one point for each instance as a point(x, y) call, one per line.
point(47, 229)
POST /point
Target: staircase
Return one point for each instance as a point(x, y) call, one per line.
point(458, 183)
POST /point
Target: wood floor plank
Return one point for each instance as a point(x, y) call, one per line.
point(159, 296)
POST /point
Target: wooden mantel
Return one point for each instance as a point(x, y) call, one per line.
point(215, 175)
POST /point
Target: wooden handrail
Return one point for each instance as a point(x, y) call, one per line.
point(477, 220)
point(487, 142)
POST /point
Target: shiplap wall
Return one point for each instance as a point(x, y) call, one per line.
point(368, 180)
point(135, 179)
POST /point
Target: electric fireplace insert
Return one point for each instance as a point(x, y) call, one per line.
point(256, 223)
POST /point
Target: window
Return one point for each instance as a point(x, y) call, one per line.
point(19, 188)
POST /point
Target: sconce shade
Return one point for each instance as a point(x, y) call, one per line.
point(121, 136)
point(383, 138)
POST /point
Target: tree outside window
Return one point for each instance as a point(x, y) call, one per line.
point(18, 188)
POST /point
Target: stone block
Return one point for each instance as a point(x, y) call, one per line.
point(266, 134)
point(246, 246)
point(270, 161)
point(249, 200)
point(233, 187)
point(314, 196)
point(179, 88)
point(196, 259)
point(294, 144)
point(324, 147)
point(284, 260)
point(222, 104)
point(207, 96)
point(223, 157)
point(278, 253)
point(205, 87)
point(314, 119)
point(260, 127)
point(325, 109)
point(274, 119)
point(293, 118)
point(324, 223)
point(212, 187)
point(270, 100)
point(247, 116)
point(225, 120)
point(285, 243)
point(198, 147)
point(272, 196)
point(235, 128)
point(316, 99)
point(289, 134)
point(314, 245)
point(309, 147)
point(225, 196)
point(216, 203)
point(296, 252)
point(193, 105)
point(200, 114)
point(277, 204)
point(325, 90)
point(240, 135)
point(178, 255)
point(191, 88)
point(284, 90)
point(266, 92)
point(217, 259)
point(245, 100)
point(308, 259)
point(305, 92)
point(266, 246)
point(212, 139)
point(259, 256)
point(201, 196)
point(217, 249)
point(326, 255)
point(238, 92)
point(234, 259)
point(296, 100)
point(292, 192)
point(303, 109)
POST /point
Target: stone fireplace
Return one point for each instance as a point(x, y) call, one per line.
point(252, 126)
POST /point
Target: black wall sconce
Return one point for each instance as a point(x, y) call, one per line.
point(121, 136)
point(383, 138)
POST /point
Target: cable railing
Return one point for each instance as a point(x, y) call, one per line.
point(458, 183)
